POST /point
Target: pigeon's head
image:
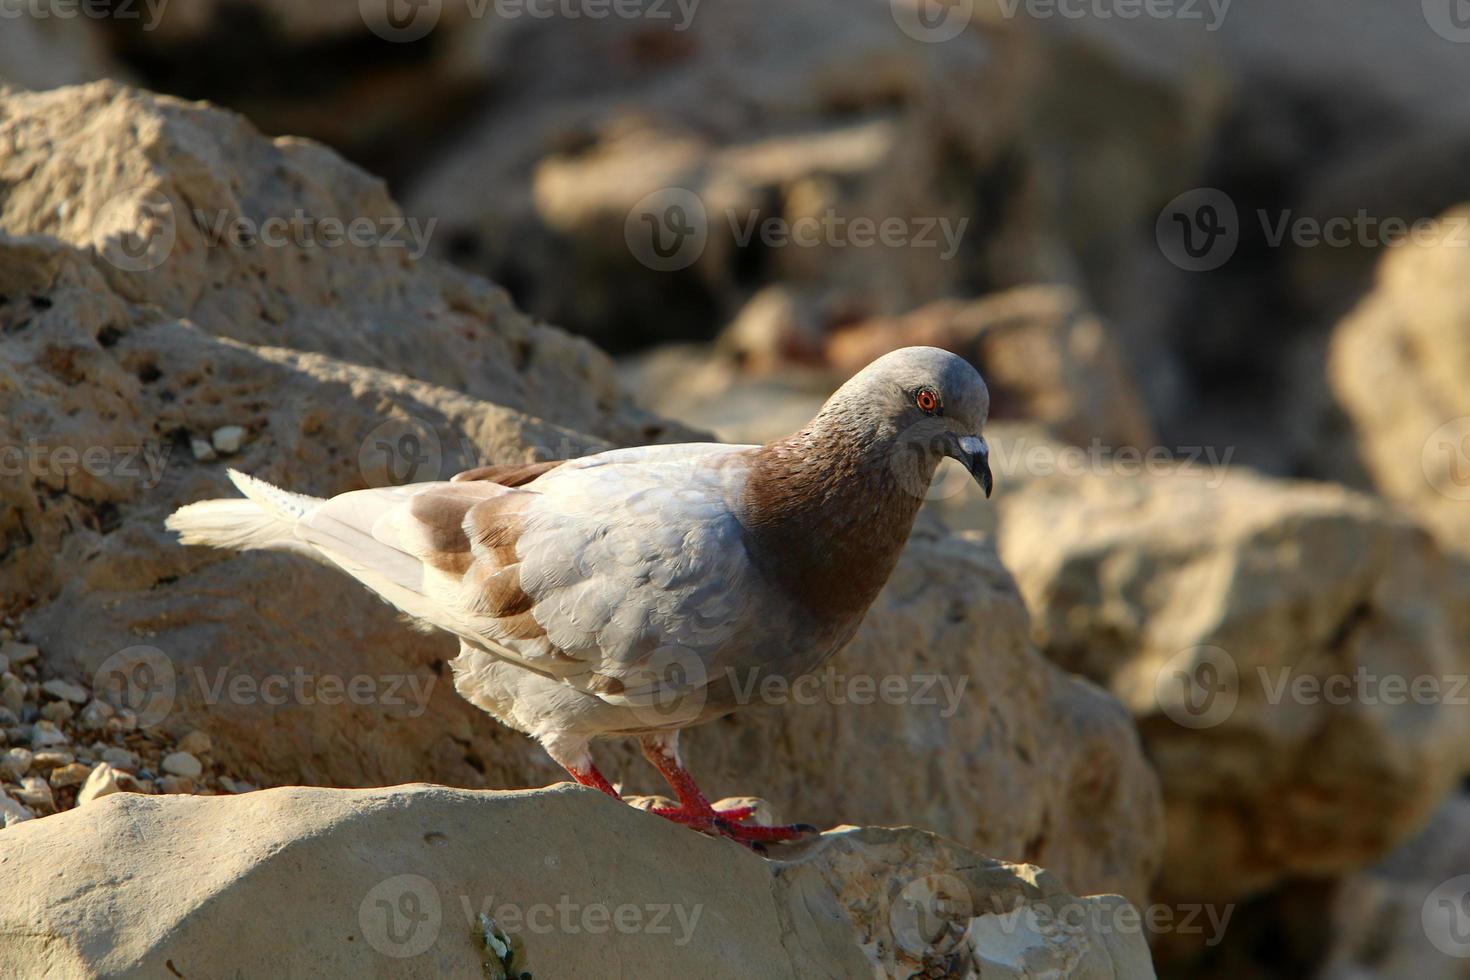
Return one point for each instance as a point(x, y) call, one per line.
point(930, 400)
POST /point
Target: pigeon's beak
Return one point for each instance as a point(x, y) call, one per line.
point(976, 457)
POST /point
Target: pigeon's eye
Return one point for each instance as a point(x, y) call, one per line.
point(927, 400)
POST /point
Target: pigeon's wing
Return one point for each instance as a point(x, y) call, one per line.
point(609, 571)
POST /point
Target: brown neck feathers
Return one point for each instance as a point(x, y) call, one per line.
point(828, 511)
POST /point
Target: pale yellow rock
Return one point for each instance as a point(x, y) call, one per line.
point(1293, 653)
point(102, 782)
point(564, 882)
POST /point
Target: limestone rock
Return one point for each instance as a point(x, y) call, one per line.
point(429, 881)
point(1398, 369)
point(1044, 358)
point(1294, 655)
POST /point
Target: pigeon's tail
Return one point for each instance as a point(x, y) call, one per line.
point(265, 518)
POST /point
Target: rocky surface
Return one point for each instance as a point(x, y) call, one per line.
point(428, 881)
point(120, 381)
point(1294, 655)
point(1398, 369)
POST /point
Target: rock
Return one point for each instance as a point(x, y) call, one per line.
point(94, 716)
point(13, 693)
point(1292, 653)
point(202, 450)
point(1044, 357)
point(120, 758)
point(227, 439)
point(19, 653)
point(11, 812)
point(57, 712)
point(195, 743)
point(857, 902)
point(71, 774)
point(50, 759)
point(103, 781)
point(66, 691)
point(45, 735)
point(778, 129)
point(1405, 915)
point(176, 784)
point(1397, 368)
point(35, 793)
point(15, 763)
point(182, 764)
point(101, 353)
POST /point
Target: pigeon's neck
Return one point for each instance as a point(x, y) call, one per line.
point(829, 510)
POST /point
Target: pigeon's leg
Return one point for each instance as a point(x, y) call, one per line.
point(694, 809)
point(577, 760)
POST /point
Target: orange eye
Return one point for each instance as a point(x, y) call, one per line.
point(926, 399)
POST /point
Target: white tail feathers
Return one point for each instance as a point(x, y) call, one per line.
point(265, 518)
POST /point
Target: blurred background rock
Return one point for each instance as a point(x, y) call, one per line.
point(1055, 146)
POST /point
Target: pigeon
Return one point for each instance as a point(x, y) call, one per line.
point(637, 592)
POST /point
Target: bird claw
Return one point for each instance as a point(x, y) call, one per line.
point(731, 824)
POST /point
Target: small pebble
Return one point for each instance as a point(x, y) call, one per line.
point(94, 716)
point(48, 759)
point(182, 764)
point(19, 653)
point(120, 758)
point(202, 450)
point(15, 763)
point(72, 774)
point(11, 812)
point(195, 743)
point(227, 439)
point(103, 781)
point(176, 784)
point(13, 694)
point(45, 734)
point(66, 691)
point(57, 712)
point(35, 793)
